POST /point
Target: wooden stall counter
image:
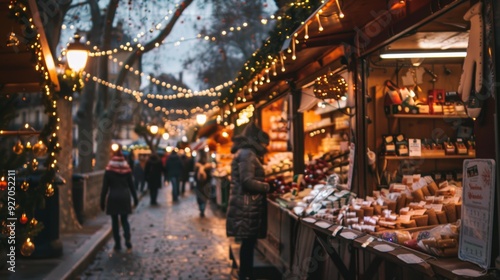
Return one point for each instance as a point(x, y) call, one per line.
point(328, 251)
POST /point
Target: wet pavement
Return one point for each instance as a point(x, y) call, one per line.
point(170, 241)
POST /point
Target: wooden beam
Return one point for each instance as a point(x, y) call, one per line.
point(49, 59)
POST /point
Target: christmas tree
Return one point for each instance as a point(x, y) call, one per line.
point(23, 150)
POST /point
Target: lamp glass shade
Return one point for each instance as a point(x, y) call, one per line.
point(77, 59)
point(77, 54)
point(153, 129)
point(201, 119)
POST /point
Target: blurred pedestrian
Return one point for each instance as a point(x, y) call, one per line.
point(138, 171)
point(203, 178)
point(153, 173)
point(247, 208)
point(173, 172)
point(188, 167)
point(117, 188)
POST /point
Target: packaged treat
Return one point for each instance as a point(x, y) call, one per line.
point(441, 215)
point(396, 236)
point(425, 191)
point(421, 220)
point(451, 214)
point(418, 195)
point(433, 188)
point(433, 220)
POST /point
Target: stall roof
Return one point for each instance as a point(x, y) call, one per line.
point(366, 25)
point(322, 48)
point(17, 64)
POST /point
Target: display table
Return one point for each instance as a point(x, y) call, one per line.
point(307, 248)
point(336, 252)
point(278, 246)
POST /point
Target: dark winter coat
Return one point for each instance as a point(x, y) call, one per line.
point(187, 167)
point(153, 172)
point(203, 178)
point(173, 166)
point(247, 210)
point(116, 192)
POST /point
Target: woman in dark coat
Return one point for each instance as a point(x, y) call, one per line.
point(173, 172)
point(247, 210)
point(203, 177)
point(187, 168)
point(117, 187)
point(152, 173)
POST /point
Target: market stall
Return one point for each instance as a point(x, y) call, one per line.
point(419, 133)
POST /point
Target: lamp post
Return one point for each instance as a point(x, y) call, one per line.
point(77, 54)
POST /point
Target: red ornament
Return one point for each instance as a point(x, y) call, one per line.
point(24, 219)
point(3, 184)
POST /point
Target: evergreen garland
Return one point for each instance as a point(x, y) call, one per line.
point(30, 191)
point(293, 17)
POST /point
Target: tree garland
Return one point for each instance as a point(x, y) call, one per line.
point(30, 191)
point(293, 17)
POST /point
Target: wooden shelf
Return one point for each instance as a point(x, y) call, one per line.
point(325, 126)
point(470, 155)
point(319, 127)
point(425, 116)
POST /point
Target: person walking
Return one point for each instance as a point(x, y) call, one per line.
point(152, 173)
point(173, 172)
point(138, 173)
point(117, 188)
point(187, 168)
point(203, 178)
point(247, 208)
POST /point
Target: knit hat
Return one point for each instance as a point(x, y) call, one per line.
point(118, 163)
point(252, 136)
point(255, 133)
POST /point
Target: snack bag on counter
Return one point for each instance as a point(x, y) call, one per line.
point(395, 236)
point(441, 241)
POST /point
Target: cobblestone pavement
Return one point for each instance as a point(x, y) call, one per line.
point(170, 241)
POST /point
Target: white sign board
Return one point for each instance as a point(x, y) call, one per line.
point(477, 211)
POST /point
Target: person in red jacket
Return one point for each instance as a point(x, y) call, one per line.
point(117, 188)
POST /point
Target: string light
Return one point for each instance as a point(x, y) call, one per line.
point(168, 85)
point(320, 28)
point(341, 14)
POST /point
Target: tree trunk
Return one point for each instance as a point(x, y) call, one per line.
point(85, 116)
point(67, 217)
point(105, 124)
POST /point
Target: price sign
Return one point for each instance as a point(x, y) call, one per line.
point(476, 228)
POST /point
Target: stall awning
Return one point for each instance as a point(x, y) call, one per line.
point(17, 71)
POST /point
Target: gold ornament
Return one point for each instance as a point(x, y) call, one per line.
point(13, 41)
point(18, 148)
point(39, 149)
point(33, 222)
point(34, 164)
point(25, 186)
point(49, 191)
point(27, 248)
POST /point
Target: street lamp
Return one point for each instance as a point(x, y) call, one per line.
point(77, 54)
point(153, 129)
point(201, 119)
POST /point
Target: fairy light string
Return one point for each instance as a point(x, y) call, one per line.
point(31, 197)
